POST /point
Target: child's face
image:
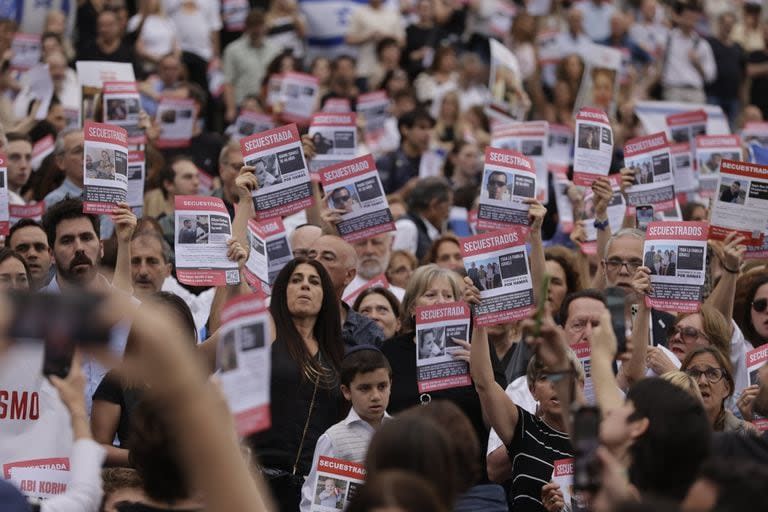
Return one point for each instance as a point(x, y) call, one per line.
point(369, 394)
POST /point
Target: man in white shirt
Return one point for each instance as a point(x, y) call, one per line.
point(370, 24)
point(597, 14)
point(688, 63)
point(19, 165)
point(372, 261)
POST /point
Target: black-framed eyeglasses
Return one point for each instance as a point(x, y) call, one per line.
point(687, 333)
point(342, 199)
point(713, 375)
point(760, 305)
point(615, 264)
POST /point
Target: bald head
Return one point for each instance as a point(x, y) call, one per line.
point(338, 258)
point(302, 239)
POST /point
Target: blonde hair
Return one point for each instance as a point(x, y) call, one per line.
point(420, 281)
point(684, 382)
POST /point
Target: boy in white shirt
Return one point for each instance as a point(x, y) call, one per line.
point(366, 380)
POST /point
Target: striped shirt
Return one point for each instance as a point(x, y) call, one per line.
point(533, 450)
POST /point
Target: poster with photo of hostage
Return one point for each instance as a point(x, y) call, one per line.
point(559, 158)
point(299, 94)
point(244, 364)
point(686, 126)
point(509, 101)
point(710, 151)
point(270, 251)
point(334, 137)
point(121, 106)
point(676, 254)
point(497, 264)
point(683, 167)
point(654, 184)
point(26, 51)
point(25, 211)
point(249, 123)
point(562, 475)
point(336, 484)
point(5, 215)
point(757, 359)
point(176, 118)
point(617, 209)
point(508, 179)
point(105, 167)
point(280, 168)
point(530, 139)
point(354, 187)
point(136, 176)
point(436, 328)
point(600, 80)
point(200, 242)
point(741, 202)
point(594, 146)
point(373, 109)
point(92, 75)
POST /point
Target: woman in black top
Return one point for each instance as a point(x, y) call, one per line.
point(305, 397)
point(429, 285)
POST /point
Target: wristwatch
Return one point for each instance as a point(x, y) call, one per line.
point(601, 224)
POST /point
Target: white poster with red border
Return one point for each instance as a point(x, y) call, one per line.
point(334, 137)
point(373, 108)
point(686, 126)
point(249, 123)
point(281, 170)
point(676, 254)
point(136, 176)
point(437, 327)
point(26, 211)
point(594, 146)
point(5, 216)
point(757, 252)
point(497, 264)
point(26, 51)
point(337, 105)
point(509, 178)
point(583, 352)
point(562, 475)
point(40, 482)
point(711, 150)
point(200, 242)
point(559, 148)
point(244, 364)
point(337, 482)
point(354, 188)
point(531, 139)
point(617, 210)
point(654, 184)
point(683, 167)
point(105, 167)
point(379, 281)
point(41, 149)
point(299, 93)
point(756, 359)
point(176, 118)
point(741, 202)
point(270, 251)
point(121, 106)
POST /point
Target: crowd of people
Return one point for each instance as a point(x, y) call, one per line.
point(138, 422)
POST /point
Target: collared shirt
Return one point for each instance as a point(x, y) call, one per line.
point(407, 234)
point(678, 70)
point(245, 65)
point(360, 330)
point(69, 189)
point(324, 448)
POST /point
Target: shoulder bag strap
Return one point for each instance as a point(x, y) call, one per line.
point(306, 426)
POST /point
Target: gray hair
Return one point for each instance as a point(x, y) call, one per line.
point(58, 148)
point(630, 232)
point(164, 245)
point(231, 145)
point(535, 368)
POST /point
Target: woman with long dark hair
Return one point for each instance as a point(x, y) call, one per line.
point(306, 357)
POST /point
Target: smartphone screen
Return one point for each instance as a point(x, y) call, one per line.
point(643, 216)
point(586, 430)
point(615, 299)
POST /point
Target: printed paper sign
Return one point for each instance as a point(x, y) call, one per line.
point(136, 177)
point(334, 137)
point(531, 140)
point(584, 352)
point(5, 218)
point(280, 168)
point(233, 14)
point(373, 108)
point(176, 118)
point(594, 146)
point(508, 98)
point(36, 86)
point(105, 167)
point(508, 179)
point(498, 266)
point(39, 482)
point(26, 51)
point(249, 123)
point(436, 328)
point(275, 92)
point(200, 242)
point(757, 252)
point(711, 150)
point(562, 475)
point(337, 483)
point(563, 202)
point(559, 148)
point(244, 363)
point(756, 359)
point(741, 202)
point(92, 74)
point(676, 254)
point(379, 281)
point(654, 185)
point(41, 149)
point(121, 107)
point(617, 209)
point(299, 95)
point(26, 211)
point(354, 187)
point(686, 126)
point(269, 253)
point(337, 105)
point(600, 79)
point(682, 167)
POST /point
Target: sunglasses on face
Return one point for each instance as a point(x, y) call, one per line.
point(713, 375)
point(688, 334)
point(760, 305)
point(342, 199)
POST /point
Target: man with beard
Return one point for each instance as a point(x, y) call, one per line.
point(372, 260)
point(27, 238)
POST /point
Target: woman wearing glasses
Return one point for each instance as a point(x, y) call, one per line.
point(754, 314)
point(712, 372)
